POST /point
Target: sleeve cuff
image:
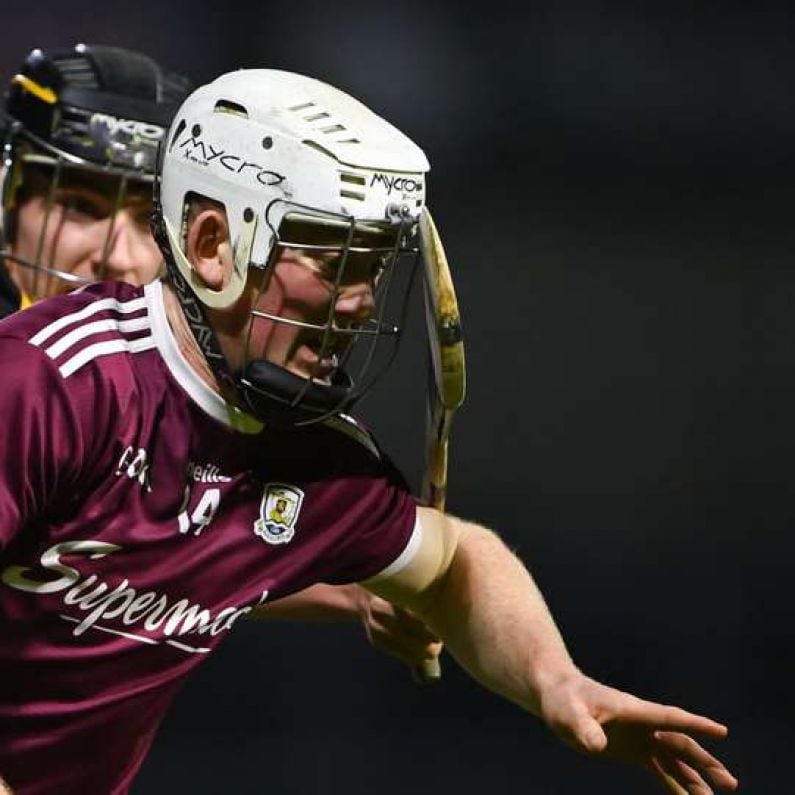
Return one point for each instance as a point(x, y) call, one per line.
point(405, 557)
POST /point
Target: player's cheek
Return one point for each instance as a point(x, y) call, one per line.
point(150, 258)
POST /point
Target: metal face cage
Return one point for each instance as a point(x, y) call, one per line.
point(33, 167)
point(341, 253)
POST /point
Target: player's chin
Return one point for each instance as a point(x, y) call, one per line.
point(322, 377)
point(309, 365)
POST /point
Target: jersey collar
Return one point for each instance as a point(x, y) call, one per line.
point(201, 393)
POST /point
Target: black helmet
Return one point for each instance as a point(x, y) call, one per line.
point(100, 105)
point(98, 112)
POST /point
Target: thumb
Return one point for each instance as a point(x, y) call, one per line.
point(590, 735)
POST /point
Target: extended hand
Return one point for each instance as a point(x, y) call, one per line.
point(397, 632)
point(602, 721)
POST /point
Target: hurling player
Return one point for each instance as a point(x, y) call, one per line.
point(81, 131)
point(181, 454)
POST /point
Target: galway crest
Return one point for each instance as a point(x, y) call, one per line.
point(278, 513)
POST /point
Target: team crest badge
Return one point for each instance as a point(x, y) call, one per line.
point(278, 513)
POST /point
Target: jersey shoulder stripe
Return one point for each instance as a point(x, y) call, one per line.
point(77, 338)
point(103, 349)
point(97, 327)
point(125, 307)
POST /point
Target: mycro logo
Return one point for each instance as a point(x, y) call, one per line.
point(396, 183)
point(129, 127)
point(205, 153)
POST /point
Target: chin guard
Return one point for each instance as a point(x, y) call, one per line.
point(278, 397)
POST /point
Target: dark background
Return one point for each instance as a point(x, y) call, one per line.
point(614, 188)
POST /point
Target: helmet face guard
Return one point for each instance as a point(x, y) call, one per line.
point(379, 256)
point(89, 118)
point(300, 169)
point(68, 190)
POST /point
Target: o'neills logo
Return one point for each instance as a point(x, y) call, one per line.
point(206, 473)
point(396, 183)
point(90, 601)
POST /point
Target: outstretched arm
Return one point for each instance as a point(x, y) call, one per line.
point(479, 598)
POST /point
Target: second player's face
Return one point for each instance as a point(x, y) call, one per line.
point(80, 235)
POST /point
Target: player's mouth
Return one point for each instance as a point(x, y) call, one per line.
point(317, 361)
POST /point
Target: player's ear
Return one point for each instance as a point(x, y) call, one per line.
point(209, 249)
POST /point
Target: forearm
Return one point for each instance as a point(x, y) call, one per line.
point(494, 620)
point(319, 602)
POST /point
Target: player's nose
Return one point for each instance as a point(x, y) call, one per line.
point(355, 302)
point(128, 253)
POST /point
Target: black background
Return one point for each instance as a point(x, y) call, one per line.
point(613, 183)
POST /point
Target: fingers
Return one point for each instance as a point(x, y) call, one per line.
point(652, 735)
point(401, 623)
point(407, 652)
point(677, 777)
point(610, 706)
point(681, 779)
point(664, 717)
point(399, 634)
point(684, 754)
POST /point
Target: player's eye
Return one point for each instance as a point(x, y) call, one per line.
point(358, 267)
point(330, 267)
point(81, 207)
point(141, 212)
point(326, 266)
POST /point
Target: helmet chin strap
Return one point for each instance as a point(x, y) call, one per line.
point(200, 327)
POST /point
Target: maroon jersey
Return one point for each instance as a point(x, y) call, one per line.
point(140, 518)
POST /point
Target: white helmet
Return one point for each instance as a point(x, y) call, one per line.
point(272, 146)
